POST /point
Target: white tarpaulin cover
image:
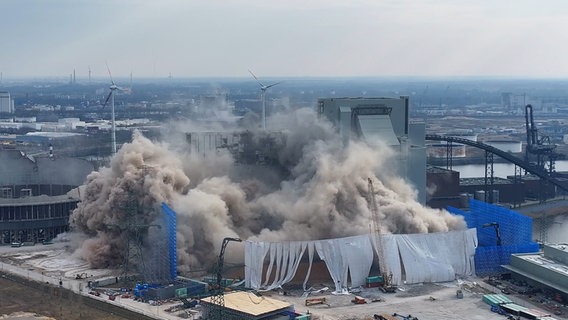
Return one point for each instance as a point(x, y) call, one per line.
point(414, 258)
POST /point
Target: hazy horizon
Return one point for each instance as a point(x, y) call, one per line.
point(522, 39)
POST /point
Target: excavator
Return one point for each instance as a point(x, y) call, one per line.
point(387, 286)
point(218, 297)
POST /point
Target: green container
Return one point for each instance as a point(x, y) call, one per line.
point(181, 293)
point(374, 279)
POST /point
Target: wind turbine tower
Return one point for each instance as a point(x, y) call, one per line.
point(113, 87)
point(263, 89)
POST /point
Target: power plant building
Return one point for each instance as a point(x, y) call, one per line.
point(382, 120)
point(37, 195)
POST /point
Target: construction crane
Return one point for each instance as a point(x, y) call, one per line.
point(376, 233)
point(495, 225)
point(217, 311)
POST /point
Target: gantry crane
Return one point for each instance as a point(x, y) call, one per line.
point(217, 311)
point(376, 233)
point(539, 145)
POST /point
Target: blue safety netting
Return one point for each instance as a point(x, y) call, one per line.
point(515, 232)
point(488, 260)
point(170, 224)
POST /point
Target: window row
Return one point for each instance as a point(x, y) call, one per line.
point(17, 213)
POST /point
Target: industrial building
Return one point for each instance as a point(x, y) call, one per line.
point(37, 195)
point(546, 270)
point(382, 120)
point(241, 305)
point(446, 188)
point(443, 187)
point(6, 102)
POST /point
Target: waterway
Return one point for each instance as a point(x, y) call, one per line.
point(501, 170)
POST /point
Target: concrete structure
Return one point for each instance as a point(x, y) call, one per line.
point(443, 188)
point(503, 190)
point(37, 195)
point(385, 120)
point(547, 269)
point(6, 103)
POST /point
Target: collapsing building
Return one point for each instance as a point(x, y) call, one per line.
point(495, 233)
point(382, 120)
point(269, 265)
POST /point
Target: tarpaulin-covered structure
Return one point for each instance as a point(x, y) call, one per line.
point(411, 258)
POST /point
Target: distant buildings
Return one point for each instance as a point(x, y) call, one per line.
point(6, 102)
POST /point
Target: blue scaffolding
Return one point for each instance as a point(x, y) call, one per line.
point(515, 235)
point(170, 226)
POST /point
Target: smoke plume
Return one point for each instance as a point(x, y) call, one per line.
point(313, 187)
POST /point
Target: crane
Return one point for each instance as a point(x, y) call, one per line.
point(376, 233)
point(497, 230)
point(218, 297)
point(538, 145)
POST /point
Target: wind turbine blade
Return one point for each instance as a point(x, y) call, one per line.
point(109, 74)
point(272, 85)
point(255, 78)
point(107, 99)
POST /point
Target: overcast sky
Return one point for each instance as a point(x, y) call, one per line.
point(286, 38)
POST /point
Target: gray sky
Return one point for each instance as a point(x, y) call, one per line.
point(287, 38)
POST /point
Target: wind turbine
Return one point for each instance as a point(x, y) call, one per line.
point(263, 89)
point(113, 87)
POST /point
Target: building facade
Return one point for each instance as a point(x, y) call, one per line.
point(386, 121)
point(37, 195)
point(6, 102)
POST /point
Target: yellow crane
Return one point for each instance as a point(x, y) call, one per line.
point(376, 233)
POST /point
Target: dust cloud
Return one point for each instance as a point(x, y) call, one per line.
point(313, 187)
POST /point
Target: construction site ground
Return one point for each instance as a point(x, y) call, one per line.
point(42, 279)
point(423, 301)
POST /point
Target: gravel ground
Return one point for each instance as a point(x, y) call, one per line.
point(424, 301)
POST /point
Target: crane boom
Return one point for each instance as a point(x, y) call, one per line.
point(376, 230)
point(376, 233)
point(217, 311)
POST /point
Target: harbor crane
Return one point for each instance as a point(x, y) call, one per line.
point(538, 145)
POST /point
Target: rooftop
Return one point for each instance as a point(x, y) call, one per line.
point(249, 303)
point(481, 181)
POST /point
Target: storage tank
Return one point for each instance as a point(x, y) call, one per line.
point(480, 195)
point(440, 150)
point(506, 145)
point(495, 194)
point(464, 200)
